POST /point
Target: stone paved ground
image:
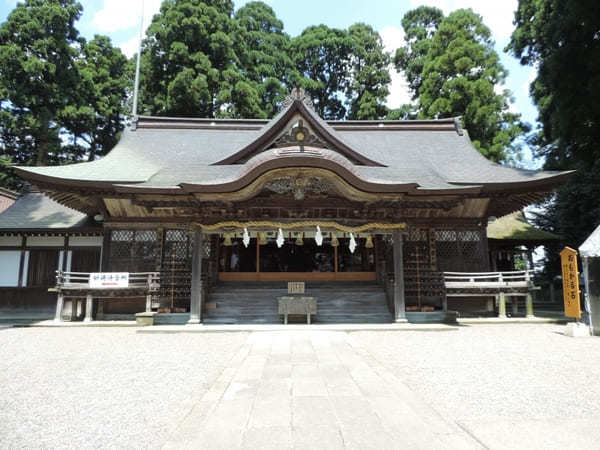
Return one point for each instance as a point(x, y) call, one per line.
point(494, 386)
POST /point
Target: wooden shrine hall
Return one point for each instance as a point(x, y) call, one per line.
point(369, 214)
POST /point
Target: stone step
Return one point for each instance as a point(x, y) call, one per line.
point(336, 303)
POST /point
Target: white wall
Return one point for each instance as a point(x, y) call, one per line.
point(45, 241)
point(85, 241)
point(9, 267)
point(10, 241)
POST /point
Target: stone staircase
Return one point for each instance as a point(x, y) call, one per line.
point(336, 303)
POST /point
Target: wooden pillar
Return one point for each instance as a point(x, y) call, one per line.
point(89, 304)
point(529, 306)
point(60, 301)
point(502, 306)
point(105, 251)
point(399, 303)
point(22, 262)
point(196, 299)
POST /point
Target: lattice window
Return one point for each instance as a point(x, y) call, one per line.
point(416, 249)
point(177, 245)
point(460, 250)
point(133, 250)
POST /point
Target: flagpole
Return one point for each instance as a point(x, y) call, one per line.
point(137, 67)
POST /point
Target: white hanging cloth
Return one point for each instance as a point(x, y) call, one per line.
point(352, 245)
point(246, 238)
point(280, 239)
point(319, 236)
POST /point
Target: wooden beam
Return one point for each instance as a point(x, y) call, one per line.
point(399, 301)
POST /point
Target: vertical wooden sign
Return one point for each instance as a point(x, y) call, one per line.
point(570, 277)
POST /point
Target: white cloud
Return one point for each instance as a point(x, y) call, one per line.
point(130, 47)
point(393, 37)
point(497, 14)
point(118, 15)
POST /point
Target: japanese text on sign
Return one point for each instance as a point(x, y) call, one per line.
point(109, 279)
point(570, 277)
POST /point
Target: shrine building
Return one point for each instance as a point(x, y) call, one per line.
point(368, 214)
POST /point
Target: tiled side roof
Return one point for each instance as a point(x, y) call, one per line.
point(36, 211)
point(515, 227)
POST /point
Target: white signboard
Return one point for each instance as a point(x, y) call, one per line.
point(109, 280)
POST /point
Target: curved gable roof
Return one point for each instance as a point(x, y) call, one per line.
point(273, 129)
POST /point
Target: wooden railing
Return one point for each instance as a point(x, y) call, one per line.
point(81, 280)
point(491, 280)
point(496, 284)
point(77, 284)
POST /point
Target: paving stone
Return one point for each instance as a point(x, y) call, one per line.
point(309, 387)
point(317, 436)
point(233, 415)
point(357, 437)
point(241, 390)
point(275, 371)
point(271, 412)
point(276, 438)
point(355, 411)
point(305, 371)
point(342, 386)
point(279, 387)
point(312, 411)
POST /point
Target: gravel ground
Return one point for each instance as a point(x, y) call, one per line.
point(496, 371)
point(111, 387)
point(102, 387)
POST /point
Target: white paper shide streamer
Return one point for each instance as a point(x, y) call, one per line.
point(352, 245)
point(280, 239)
point(246, 238)
point(319, 236)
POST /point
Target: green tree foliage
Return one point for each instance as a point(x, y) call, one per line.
point(263, 50)
point(38, 47)
point(321, 57)
point(459, 71)
point(419, 24)
point(191, 67)
point(344, 71)
point(104, 81)
point(61, 99)
point(369, 74)
point(562, 39)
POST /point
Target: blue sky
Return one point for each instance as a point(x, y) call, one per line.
point(119, 19)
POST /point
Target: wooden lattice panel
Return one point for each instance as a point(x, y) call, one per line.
point(175, 270)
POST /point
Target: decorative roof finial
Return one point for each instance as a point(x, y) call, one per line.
point(297, 94)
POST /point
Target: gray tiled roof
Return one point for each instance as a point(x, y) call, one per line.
point(36, 211)
point(165, 153)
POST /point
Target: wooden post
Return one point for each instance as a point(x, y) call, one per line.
point(196, 299)
point(21, 262)
point(89, 304)
point(399, 303)
point(257, 253)
point(60, 301)
point(149, 296)
point(502, 306)
point(529, 306)
point(105, 251)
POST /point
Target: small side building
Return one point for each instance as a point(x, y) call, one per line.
point(39, 236)
point(511, 236)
